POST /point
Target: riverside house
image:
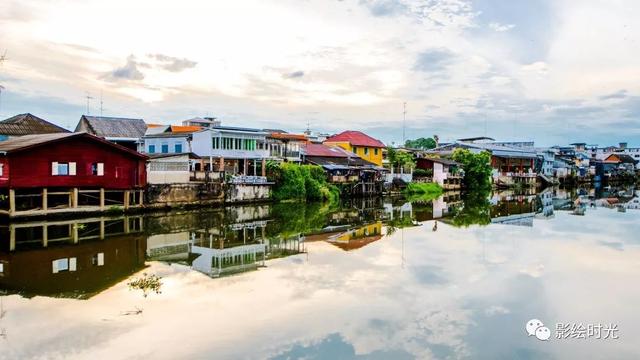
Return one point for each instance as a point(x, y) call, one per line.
point(511, 164)
point(122, 131)
point(359, 143)
point(68, 172)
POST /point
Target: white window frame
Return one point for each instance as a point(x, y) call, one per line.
point(70, 265)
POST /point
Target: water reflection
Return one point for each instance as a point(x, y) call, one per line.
point(428, 278)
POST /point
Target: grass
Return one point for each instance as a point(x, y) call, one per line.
point(422, 191)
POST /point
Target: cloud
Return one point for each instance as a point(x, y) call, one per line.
point(620, 94)
point(384, 8)
point(130, 71)
point(434, 60)
point(173, 64)
point(538, 67)
point(294, 75)
point(496, 26)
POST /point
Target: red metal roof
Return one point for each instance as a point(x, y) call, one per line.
point(312, 149)
point(287, 136)
point(356, 138)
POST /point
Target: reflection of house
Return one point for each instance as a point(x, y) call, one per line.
point(363, 145)
point(238, 247)
point(444, 171)
point(122, 131)
point(26, 124)
point(357, 238)
point(514, 210)
point(69, 172)
point(59, 259)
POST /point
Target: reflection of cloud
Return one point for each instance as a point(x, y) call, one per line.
point(496, 26)
point(496, 310)
point(533, 270)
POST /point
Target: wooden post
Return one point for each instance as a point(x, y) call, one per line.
point(221, 165)
point(45, 235)
point(74, 233)
point(45, 195)
point(126, 199)
point(101, 199)
point(12, 237)
point(12, 202)
point(264, 167)
point(127, 228)
point(74, 198)
point(245, 166)
point(101, 229)
point(141, 198)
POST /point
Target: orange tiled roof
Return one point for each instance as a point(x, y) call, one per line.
point(285, 136)
point(184, 129)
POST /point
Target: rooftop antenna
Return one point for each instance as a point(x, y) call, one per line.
point(88, 97)
point(1, 88)
point(100, 102)
point(404, 120)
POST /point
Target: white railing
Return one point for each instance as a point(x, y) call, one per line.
point(243, 179)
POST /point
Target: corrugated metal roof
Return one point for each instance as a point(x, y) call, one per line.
point(28, 124)
point(113, 127)
point(31, 141)
point(312, 149)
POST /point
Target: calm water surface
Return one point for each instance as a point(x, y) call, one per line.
point(448, 278)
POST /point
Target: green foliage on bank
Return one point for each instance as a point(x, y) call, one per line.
point(477, 168)
point(422, 191)
point(301, 182)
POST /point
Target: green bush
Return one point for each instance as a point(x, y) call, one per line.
point(300, 182)
point(423, 188)
point(423, 172)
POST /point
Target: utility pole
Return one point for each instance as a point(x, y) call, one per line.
point(88, 97)
point(404, 121)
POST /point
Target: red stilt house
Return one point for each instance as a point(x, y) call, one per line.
point(68, 172)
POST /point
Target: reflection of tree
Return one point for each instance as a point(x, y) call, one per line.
point(399, 223)
point(476, 210)
point(290, 219)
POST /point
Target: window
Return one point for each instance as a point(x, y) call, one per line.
point(63, 168)
point(1, 268)
point(355, 149)
point(165, 148)
point(98, 259)
point(178, 148)
point(1, 169)
point(97, 169)
point(366, 151)
point(375, 151)
point(216, 143)
point(152, 149)
point(65, 264)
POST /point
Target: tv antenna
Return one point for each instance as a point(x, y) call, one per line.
point(88, 97)
point(100, 102)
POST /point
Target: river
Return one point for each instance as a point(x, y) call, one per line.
point(454, 277)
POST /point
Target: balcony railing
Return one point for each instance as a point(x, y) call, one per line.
point(243, 179)
point(207, 176)
point(519, 174)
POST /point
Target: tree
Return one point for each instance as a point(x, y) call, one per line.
point(477, 168)
point(421, 143)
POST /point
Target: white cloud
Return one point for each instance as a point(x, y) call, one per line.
point(496, 26)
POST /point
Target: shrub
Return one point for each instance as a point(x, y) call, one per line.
point(423, 172)
point(301, 182)
point(477, 168)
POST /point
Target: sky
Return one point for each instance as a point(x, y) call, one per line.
point(553, 71)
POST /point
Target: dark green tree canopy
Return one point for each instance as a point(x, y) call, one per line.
point(421, 143)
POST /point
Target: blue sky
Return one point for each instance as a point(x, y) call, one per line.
point(552, 71)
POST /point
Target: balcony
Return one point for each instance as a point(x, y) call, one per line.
point(243, 179)
point(207, 176)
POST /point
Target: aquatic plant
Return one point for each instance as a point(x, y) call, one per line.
point(146, 283)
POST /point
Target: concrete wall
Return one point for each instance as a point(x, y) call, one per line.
point(184, 194)
point(168, 177)
point(247, 192)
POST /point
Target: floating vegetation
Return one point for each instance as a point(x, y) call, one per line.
point(147, 283)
